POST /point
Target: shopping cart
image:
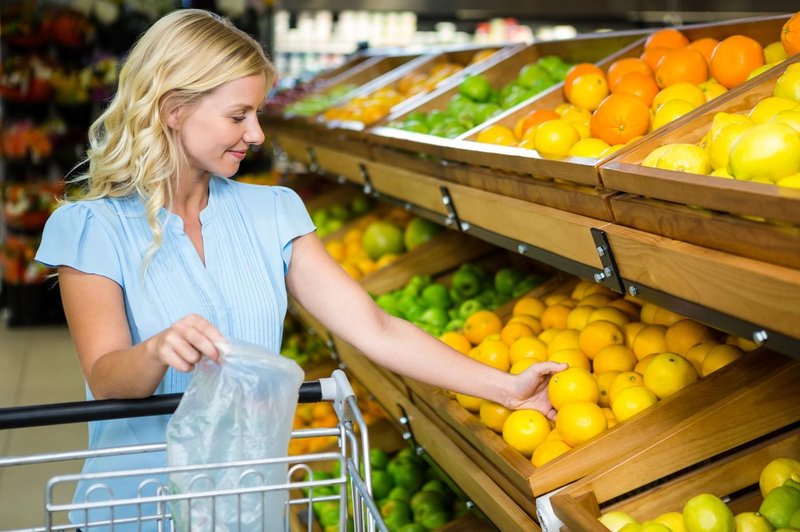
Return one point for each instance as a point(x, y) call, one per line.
point(352, 457)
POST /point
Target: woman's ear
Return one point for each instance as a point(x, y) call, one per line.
point(172, 114)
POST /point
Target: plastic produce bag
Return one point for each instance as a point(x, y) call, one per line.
point(241, 409)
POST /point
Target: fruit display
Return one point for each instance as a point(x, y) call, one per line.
point(370, 108)
point(316, 103)
point(477, 100)
point(304, 348)
point(333, 217)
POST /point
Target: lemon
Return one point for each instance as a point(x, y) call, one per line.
point(776, 472)
point(775, 52)
point(722, 120)
point(681, 158)
point(719, 148)
point(707, 513)
point(712, 88)
point(632, 400)
point(792, 181)
point(768, 107)
point(615, 520)
point(720, 356)
point(684, 334)
point(579, 317)
point(779, 505)
point(674, 520)
point(668, 373)
point(624, 380)
point(760, 70)
point(685, 91)
point(752, 522)
point(599, 334)
point(493, 415)
point(549, 450)
point(721, 172)
point(788, 86)
point(580, 421)
point(669, 111)
point(770, 151)
point(525, 430)
point(790, 117)
point(555, 138)
point(589, 147)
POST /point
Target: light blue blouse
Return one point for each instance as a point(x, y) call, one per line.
point(247, 236)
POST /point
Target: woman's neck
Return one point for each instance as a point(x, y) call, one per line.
point(190, 197)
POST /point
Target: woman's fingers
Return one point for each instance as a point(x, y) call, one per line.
point(187, 341)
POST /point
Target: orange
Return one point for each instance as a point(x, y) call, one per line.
point(579, 70)
point(604, 381)
point(631, 309)
point(574, 358)
point(549, 450)
point(493, 415)
point(555, 317)
point(480, 325)
point(527, 347)
point(790, 35)
point(579, 292)
point(555, 299)
point(588, 90)
point(554, 138)
point(667, 38)
point(599, 334)
point(614, 358)
point(622, 67)
point(580, 421)
point(648, 312)
point(705, 46)
point(637, 84)
point(619, 118)
point(682, 65)
point(532, 323)
point(684, 334)
point(572, 384)
point(493, 353)
point(720, 356)
point(697, 353)
point(565, 339)
point(497, 134)
point(734, 58)
point(547, 335)
point(457, 341)
point(579, 317)
point(525, 430)
point(668, 373)
point(529, 306)
point(536, 117)
point(473, 404)
point(512, 331)
point(609, 313)
point(631, 330)
point(649, 340)
point(653, 56)
point(610, 417)
point(595, 300)
point(666, 317)
point(631, 401)
point(554, 434)
point(521, 365)
point(641, 366)
point(622, 381)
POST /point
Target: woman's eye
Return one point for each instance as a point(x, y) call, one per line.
point(238, 118)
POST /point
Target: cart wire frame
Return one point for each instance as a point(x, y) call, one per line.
point(352, 457)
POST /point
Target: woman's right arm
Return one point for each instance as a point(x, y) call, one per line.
point(113, 368)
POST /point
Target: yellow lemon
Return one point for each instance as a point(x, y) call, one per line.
point(555, 138)
point(650, 339)
point(599, 334)
point(788, 86)
point(776, 472)
point(580, 421)
point(720, 356)
point(579, 317)
point(493, 415)
point(572, 384)
point(574, 358)
point(680, 158)
point(769, 107)
point(622, 381)
point(590, 148)
point(525, 430)
point(719, 147)
point(775, 52)
point(631, 330)
point(632, 400)
point(684, 334)
point(615, 520)
point(565, 339)
point(529, 306)
point(760, 70)
point(673, 520)
point(527, 347)
point(697, 353)
point(668, 373)
point(473, 404)
point(609, 313)
point(791, 118)
point(685, 91)
point(549, 450)
point(604, 381)
point(614, 357)
point(792, 181)
point(768, 151)
point(669, 111)
point(711, 89)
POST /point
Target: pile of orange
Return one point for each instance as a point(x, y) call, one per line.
point(623, 355)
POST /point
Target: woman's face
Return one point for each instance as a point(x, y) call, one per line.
point(217, 131)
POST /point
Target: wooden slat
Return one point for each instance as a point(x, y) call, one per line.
point(559, 232)
point(405, 185)
point(764, 294)
point(578, 513)
point(778, 244)
point(339, 162)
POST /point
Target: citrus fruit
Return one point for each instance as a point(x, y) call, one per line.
point(599, 334)
point(549, 450)
point(653, 56)
point(610, 313)
point(570, 385)
point(719, 147)
point(590, 148)
point(511, 332)
point(493, 415)
point(643, 86)
point(615, 520)
point(619, 118)
point(776, 472)
point(622, 67)
point(641, 366)
point(631, 330)
point(788, 86)
point(711, 89)
point(564, 339)
point(751, 522)
point(588, 90)
point(666, 37)
point(626, 379)
point(682, 335)
point(525, 430)
point(574, 358)
point(604, 381)
point(687, 92)
point(632, 400)
point(382, 238)
point(536, 117)
point(697, 353)
point(579, 421)
point(705, 46)
point(681, 65)
point(669, 111)
point(547, 335)
point(530, 306)
point(672, 520)
point(665, 317)
point(480, 325)
point(768, 151)
point(688, 158)
point(779, 505)
point(774, 52)
point(614, 357)
point(668, 373)
point(522, 364)
point(457, 341)
point(790, 118)
point(576, 71)
point(720, 356)
point(473, 404)
point(650, 339)
point(554, 138)
point(497, 134)
point(610, 417)
point(579, 317)
point(734, 58)
point(790, 35)
point(707, 513)
point(419, 231)
point(493, 353)
point(769, 107)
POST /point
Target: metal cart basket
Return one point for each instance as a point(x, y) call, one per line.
point(301, 490)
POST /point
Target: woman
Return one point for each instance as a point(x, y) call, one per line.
point(162, 255)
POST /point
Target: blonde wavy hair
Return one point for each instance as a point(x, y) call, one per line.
point(181, 58)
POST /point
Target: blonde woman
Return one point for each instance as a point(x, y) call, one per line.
point(163, 255)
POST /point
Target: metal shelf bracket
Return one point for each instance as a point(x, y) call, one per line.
point(313, 164)
point(334, 352)
point(369, 188)
point(452, 219)
point(609, 276)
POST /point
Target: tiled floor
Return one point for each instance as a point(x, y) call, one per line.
point(37, 366)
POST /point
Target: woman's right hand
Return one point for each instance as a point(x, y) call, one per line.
point(185, 342)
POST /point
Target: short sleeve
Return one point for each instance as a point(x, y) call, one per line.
point(75, 237)
point(292, 220)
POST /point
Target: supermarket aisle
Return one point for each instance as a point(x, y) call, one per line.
point(37, 365)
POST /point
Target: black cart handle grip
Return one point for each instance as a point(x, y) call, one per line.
point(82, 411)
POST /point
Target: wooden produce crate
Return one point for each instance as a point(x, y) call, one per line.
point(584, 48)
point(774, 243)
point(579, 169)
point(733, 478)
point(624, 172)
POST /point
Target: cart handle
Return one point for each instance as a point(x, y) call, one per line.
point(82, 411)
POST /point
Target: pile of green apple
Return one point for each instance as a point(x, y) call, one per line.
point(477, 101)
point(316, 103)
point(333, 217)
point(438, 308)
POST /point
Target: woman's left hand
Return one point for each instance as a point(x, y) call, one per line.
point(530, 388)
